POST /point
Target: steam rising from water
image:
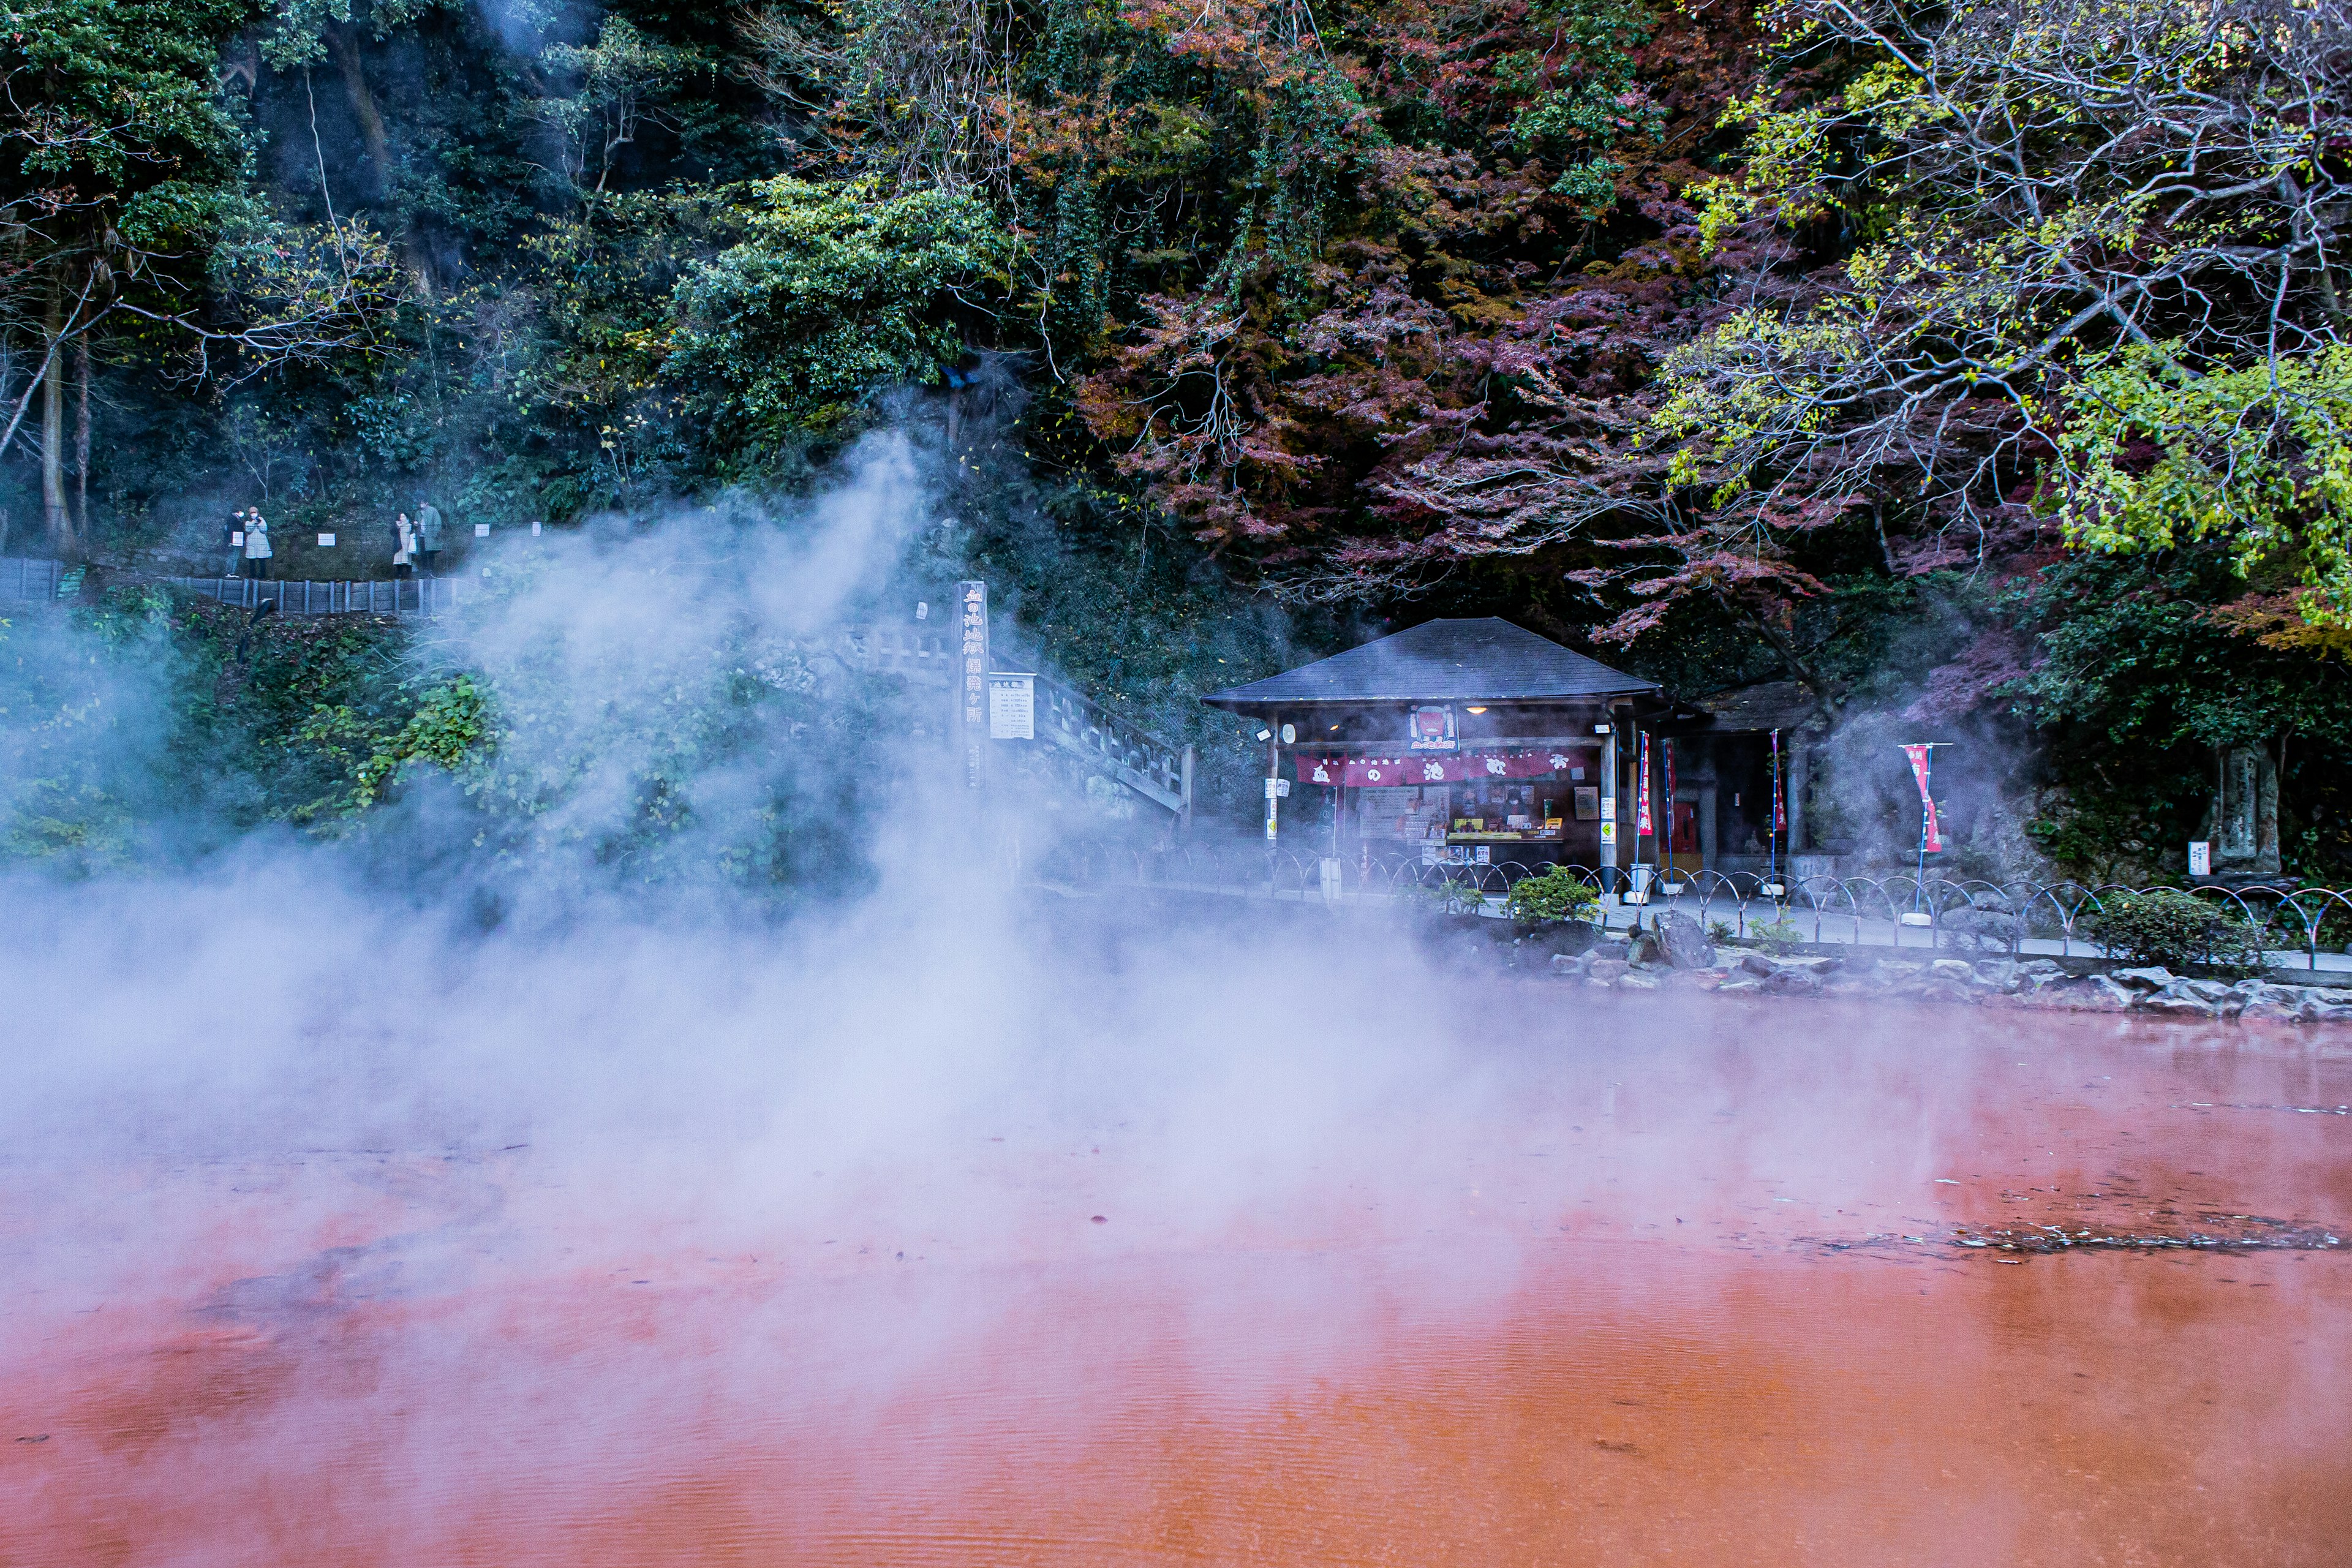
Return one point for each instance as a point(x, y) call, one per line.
point(401, 1162)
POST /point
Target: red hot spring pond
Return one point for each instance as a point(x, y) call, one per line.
point(1140, 1269)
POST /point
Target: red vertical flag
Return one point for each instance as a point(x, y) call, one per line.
point(1642, 827)
point(1931, 835)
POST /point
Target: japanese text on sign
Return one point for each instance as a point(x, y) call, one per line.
point(1011, 707)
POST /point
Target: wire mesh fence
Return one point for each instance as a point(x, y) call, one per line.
point(2297, 924)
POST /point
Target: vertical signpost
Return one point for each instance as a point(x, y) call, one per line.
point(1779, 825)
point(1276, 785)
point(971, 684)
point(1609, 811)
point(1644, 825)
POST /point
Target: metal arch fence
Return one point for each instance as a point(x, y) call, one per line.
point(1898, 910)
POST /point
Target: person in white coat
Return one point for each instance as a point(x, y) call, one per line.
point(404, 554)
point(257, 545)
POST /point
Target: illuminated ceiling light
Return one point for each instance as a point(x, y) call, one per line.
point(1477, 711)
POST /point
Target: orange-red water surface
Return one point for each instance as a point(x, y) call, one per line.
point(1659, 1290)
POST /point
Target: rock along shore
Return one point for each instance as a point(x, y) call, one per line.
point(2038, 984)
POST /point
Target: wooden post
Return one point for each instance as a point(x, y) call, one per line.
point(1184, 789)
point(1609, 809)
point(1273, 773)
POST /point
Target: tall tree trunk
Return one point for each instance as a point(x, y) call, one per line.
point(56, 521)
point(342, 37)
point(81, 436)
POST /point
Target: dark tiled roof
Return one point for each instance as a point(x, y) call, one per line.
point(1439, 661)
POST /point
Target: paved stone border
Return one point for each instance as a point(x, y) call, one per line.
point(2038, 984)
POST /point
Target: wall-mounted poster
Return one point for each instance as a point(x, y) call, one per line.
point(1433, 730)
point(1588, 803)
point(1011, 705)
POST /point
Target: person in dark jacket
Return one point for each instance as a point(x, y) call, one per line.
point(428, 537)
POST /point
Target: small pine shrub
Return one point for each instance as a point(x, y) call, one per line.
point(2177, 930)
point(1551, 898)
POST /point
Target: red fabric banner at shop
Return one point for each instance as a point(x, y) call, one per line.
point(1380, 773)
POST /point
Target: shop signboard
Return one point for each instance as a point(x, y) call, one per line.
point(1389, 772)
point(1011, 705)
point(1433, 730)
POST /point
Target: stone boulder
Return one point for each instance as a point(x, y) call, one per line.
point(1988, 925)
point(2097, 993)
point(1684, 941)
point(2151, 979)
point(2174, 1002)
point(1999, 975)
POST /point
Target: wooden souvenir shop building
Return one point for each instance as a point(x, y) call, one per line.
point(1458, 741)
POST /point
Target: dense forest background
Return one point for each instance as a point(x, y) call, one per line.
point(1978, 367)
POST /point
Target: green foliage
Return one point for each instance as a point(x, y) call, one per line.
point(2144, 665)
point(618, 81)
point(832, 290)
point(1776, 935)
point(451, 728)
point(295, 36)
point(1442, 896)
point(1556, 896)
point(1595, 102)
point(2257, 460)
point(126, 108)
point(75, 734)
point(2177, 930)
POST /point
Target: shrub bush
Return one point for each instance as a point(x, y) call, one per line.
point(2176, 930)
point(1446, 896)
point(1553, 897)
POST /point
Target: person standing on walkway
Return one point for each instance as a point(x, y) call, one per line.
point(403, 551)
point(428, 535)
point(257, 545)
point(233, 542)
